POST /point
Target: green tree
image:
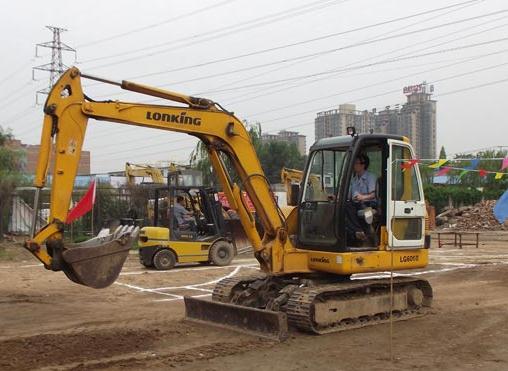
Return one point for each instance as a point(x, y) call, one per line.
point(11, 160)
point(273, 156)
point(442, 153)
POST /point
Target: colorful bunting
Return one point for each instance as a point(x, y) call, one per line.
point(438, 164)
point(472, 167)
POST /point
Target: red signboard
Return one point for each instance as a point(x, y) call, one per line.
point(411, 89)
point(225, 203)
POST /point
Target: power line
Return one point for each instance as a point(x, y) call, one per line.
point(392, 91)
point(154, 25)
point(490, 83)
point(312, 58)
point(215, 34)
point(13, 93)
point(305, 124)
point(429, 70)
point(265, 93)
point(389, 92)
point(385, 61)
point(461, 61)
point(328, 77)
point(328, 51)
point(379, 83)
point(12, 74)
point(299, 43)
point(311, 123)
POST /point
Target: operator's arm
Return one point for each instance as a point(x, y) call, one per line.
point(369, 181)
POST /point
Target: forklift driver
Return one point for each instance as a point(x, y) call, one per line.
point(362, 194)
point(184, 218)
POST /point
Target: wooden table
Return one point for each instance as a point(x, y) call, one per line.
point(457, 239)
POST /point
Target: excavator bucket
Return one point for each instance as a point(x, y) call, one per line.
point(242, 242)
point(253, 321)
point(97, 262)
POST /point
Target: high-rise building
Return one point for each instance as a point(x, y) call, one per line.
point(416, 119)
point(287, 136)
point(334, 122)
point(418, 116)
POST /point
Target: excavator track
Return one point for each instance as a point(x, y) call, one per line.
point(223, 290)
point(269, 305)
point(318, 309)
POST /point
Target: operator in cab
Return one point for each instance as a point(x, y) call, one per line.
point(362, 194)
point(184, 217)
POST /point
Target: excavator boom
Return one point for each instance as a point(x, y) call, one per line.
point(67, 111)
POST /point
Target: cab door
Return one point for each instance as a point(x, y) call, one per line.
point(405, 202)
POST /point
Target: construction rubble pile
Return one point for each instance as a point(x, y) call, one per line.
point(479, 217)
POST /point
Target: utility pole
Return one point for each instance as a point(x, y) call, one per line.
point(56, 66)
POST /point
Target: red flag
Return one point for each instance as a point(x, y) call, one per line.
point(84, 205)
point(483, 172)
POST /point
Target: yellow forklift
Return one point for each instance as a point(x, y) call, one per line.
point(205, 238)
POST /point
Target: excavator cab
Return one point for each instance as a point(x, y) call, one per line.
point(328, 211)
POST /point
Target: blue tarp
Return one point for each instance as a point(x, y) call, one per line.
point(501, 208)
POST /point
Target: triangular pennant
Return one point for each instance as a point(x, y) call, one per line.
point(462, 173)
point(438, 164)
point(84, 205)
point(499, 176)
point(443, 171)
point(409, 164)
point(482, 172)
point(473, 165)
point(505, 164)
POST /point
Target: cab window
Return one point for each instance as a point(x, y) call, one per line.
point(317, 209)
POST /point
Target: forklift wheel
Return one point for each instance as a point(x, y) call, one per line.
point(222, 253)
point(164, 259)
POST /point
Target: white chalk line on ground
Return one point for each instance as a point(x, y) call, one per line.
point(195, 287)
point(360, 276)
point(206, 283)
point(183, 269)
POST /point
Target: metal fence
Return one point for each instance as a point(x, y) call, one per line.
point(112, 206)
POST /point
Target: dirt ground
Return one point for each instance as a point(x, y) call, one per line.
point(47, 322)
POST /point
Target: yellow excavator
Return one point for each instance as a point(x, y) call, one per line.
point(306, 258)
point(134, 170)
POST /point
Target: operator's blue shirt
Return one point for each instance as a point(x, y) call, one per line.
point(363, 184)
point(180, 212)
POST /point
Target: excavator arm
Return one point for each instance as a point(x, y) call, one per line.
point(134, 170)
point(67, 111)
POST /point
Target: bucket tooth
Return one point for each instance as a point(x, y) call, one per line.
point(253, 321)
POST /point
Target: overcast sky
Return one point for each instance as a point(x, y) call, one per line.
point(352, 61)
